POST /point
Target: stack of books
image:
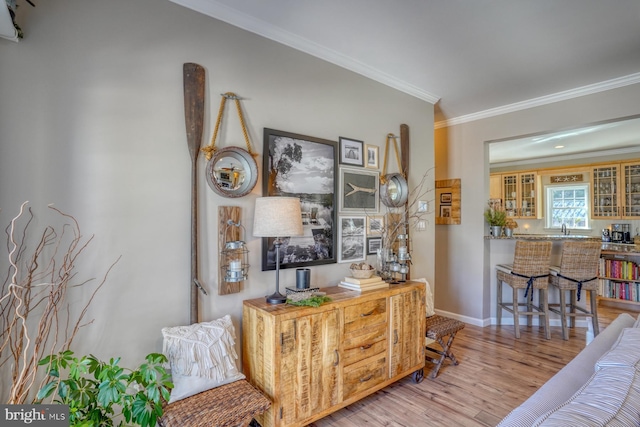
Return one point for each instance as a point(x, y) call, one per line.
point(369, 284)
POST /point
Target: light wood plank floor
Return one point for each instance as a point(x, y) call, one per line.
point(496, 373)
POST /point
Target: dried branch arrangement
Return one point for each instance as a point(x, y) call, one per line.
point(36, 317)
point(399, 220)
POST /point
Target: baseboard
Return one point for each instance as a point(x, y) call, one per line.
point(506, 320)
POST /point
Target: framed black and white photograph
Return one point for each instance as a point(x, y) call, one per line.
point(305, 167)
point(375, 225)
point(445, 198)
point(351, 152)
point(351, 239)
point(445, 211)
point(359, 190)
point(372, 154)
point(373, 244)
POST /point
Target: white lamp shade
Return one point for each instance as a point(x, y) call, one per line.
point(277, 217)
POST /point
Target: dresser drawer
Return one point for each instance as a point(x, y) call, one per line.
point(361, 316)
point(363, 375)
point(364, 343)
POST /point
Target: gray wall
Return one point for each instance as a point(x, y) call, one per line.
point(92, 120)
point(463, 274)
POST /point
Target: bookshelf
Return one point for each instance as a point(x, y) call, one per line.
point(619, 279)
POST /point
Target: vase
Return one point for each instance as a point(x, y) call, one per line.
point(496, 230)
point(508, 232)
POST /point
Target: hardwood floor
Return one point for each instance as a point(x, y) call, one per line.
point(496, 373)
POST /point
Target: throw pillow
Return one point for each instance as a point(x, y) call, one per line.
point(428, 296)
point(624, 352)
point(201, 356)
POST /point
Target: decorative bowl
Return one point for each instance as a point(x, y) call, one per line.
point(362, 274)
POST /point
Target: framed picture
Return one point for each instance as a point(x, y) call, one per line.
point(359, 190)
point(445, 198)
point(373, 244)
point(372, 154)
point(351, 239)
point(302, 166)
point(449, 189)
point(375, 224)
point(351, 152)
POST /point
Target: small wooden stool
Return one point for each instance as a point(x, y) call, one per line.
point(230, 405)
point(439, 327)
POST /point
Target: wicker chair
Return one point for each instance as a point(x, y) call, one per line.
point(529, 271)
point(578, 271)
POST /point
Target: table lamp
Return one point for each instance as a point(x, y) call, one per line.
point(277, 217)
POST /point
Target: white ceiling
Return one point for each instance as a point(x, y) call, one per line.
point(471, 58)
point(620, 137)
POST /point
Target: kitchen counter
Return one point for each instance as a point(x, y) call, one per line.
point(606, 246)
point(620, 247)
point(544, 237)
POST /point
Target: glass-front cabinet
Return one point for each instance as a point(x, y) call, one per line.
point(631, 190)
point(519, 194)
point(604, 183)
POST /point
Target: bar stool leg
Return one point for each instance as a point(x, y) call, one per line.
point(499, 303)
point(594, 312)
point(516, 313)
point(544, 306)
point(530, 308)
point(563, 314)
point(574, 303)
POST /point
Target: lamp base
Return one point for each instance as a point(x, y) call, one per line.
point(276, 298)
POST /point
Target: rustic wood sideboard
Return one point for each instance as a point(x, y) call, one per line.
point(311, 361)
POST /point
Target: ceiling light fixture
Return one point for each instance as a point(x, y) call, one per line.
point(559, 146)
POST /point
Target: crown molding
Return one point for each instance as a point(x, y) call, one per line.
point(543, 100)
point(249, 23)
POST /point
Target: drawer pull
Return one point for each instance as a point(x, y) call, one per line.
point(366, 347)
point(337, 358)
point(367, 378)
point(367, 314)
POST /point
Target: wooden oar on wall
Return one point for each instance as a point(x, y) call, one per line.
point(194, 85)
point(404, 164)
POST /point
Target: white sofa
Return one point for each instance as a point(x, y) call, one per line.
point(599, 387)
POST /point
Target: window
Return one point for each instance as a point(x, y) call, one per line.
point(569, 205)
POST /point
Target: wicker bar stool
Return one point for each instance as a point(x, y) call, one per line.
point(230, 405)
point(529, 271)
point(439, 328)
point(577, 272)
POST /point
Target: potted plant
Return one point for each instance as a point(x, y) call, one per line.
point(94, 389)
point(496, 217)
point(509, 225)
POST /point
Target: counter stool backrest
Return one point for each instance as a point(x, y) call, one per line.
point(531, 259)
point(579, 262)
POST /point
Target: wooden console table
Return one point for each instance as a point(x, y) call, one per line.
point(313, 361)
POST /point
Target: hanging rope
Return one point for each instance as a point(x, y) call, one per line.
point(390, 137)
point(210, 149)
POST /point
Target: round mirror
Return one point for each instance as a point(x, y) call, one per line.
point(395, 191)
point(232, 172)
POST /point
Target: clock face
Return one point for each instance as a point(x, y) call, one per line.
point(394, 192)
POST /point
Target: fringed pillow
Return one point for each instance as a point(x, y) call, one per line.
point(202, 356)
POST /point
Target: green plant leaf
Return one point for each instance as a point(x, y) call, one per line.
point(46, 391)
